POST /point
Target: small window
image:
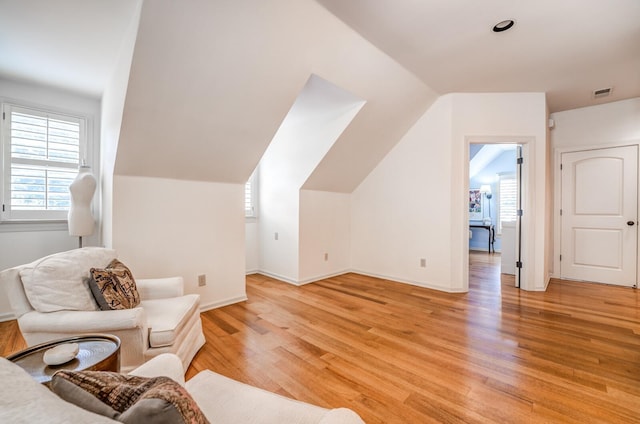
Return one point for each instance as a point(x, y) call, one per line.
point(508, 200)
point(42, 152)
point(251, 196)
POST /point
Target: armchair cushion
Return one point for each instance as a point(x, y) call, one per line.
point(114, 287)
point(60, 282)
point(81, 322)
point(167, 318)
point(160, 288)
point(127, 398)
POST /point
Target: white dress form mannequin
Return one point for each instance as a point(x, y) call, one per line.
point(80, 219)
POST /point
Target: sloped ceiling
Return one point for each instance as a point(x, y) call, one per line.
point(211, 82)
point(564, 48)
point(68, 44)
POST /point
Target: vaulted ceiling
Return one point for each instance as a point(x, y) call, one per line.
point(566, 48)
point(212, 80)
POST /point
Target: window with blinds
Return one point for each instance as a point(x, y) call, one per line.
point(42, 155)
point(508, 202)
point(250, 196)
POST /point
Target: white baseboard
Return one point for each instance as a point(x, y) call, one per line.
point(220, 303)
point(301, 282)
point(426, 285)
point(322, 277)
point(278, 277)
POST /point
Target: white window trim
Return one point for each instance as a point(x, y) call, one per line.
point(47, 222)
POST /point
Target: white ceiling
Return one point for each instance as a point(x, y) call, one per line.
point(70, 44)
point(565, 48)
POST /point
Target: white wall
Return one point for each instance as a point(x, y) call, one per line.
point(324, 229)
point(251, 247)
point(22, 243)
point(400, 213)
point(413, 205)
point(165, 227)
point(606, 125)
point(113, 100)
point(319, 115)
point(502, 117)
point(601, 125)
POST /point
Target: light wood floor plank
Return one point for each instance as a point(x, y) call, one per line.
point(397, 353)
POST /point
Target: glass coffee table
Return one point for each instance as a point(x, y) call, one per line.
point(97, 352)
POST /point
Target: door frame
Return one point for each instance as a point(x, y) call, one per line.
point(557, 198)
point(528, 190)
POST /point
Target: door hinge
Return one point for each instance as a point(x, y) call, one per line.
point(3, 207)
point(3, 116)
point(520, 161)
point(561, 258)
point(561, 167)
point(560, 212)
point(518, 264)
point(519, 212)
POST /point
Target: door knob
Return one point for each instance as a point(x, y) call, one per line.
point(630, 223)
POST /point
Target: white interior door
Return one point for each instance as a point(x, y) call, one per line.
point(599, 215)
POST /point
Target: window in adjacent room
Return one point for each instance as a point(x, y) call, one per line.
point(508, 199)
point(251, 196)
point(42, 152)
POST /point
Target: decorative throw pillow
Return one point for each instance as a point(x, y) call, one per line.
point(127, 398)
point(114, 287)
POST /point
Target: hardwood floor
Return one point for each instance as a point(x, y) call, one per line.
point(397, 353)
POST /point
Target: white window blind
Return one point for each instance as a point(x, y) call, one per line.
point(250, 196)
point(42, 155)
point(508, 202)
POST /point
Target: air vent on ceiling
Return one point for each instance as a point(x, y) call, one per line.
point(603, 92)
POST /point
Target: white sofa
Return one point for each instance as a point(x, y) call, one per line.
point(222, 400)
point(166, 321)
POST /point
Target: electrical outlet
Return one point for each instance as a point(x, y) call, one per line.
point(423, 263)
point(326, 256)
point(275, 236)
point(202, 280)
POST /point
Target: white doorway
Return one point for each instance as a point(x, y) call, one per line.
point(599, 214)
point(495, 205)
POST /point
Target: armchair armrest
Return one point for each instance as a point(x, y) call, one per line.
point(165, 365)
point(160, 288)
point(83, 321)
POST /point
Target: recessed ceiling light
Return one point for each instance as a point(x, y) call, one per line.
point(504, 25)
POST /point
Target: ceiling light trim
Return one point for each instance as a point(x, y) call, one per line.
point(503, 25)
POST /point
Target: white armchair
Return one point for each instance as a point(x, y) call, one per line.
point(166, 321)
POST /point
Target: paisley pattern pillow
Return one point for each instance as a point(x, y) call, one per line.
point(114, 287)
point(128, 399)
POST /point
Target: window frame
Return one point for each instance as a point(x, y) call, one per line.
point(19, 217)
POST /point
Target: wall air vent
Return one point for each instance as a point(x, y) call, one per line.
point(603, 92)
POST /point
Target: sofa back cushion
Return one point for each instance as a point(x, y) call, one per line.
point(24, 400)
point(60, 282)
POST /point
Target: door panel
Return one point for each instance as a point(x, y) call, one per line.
point(599, 199)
